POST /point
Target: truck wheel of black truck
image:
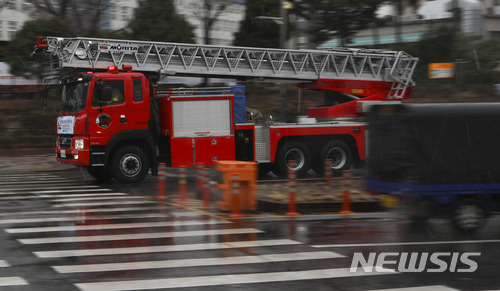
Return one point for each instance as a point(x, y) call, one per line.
point(292, 151)
point(340, 154)
point(129, 164)
point(468, 215)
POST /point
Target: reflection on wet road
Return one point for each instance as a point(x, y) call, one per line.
point(60, 234)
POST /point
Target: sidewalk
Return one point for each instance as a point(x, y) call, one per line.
point(31, 159)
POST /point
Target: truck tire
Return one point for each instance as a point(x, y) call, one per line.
point(101, 174)
point(292, 151)
point(468, 215)
point(339, 153)
point(129, 165)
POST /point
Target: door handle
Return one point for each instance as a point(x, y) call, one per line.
point(123, 118)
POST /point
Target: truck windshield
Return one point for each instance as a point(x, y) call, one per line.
point(74, 96)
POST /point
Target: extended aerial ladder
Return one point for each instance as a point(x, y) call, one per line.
point(359, 73)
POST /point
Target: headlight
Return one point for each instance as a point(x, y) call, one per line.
point(79, 144)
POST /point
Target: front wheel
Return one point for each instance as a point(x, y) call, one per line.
point(297, 152)
point(130, 165)
point(468, 215)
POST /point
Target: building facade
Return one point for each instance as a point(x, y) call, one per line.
point(475, 18)
point(119, 12)
point(12, 17)
point(223, 29)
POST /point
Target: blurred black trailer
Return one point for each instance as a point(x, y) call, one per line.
point(445, 156)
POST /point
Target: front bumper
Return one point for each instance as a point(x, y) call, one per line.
point(70, 155)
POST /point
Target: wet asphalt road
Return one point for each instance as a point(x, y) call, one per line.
point(62, 231)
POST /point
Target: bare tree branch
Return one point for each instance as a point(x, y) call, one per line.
point(209, 12)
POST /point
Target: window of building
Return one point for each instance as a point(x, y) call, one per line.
point(10, 4)
point(113, 12)
point(26, 7)
point(124, 13)
point(12, 29)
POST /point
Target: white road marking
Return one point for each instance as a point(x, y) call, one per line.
point(302, 256)
point(45, 181)
point(77, 217)
point(113, 226)
point(164, 249)
point(116, 196)
point(132, 236)
point(200, 281)
point(12, 281)
point(407, 243)
point(9, 191)
point(90, 204)
point(4, 263)
point(70, 191)
point(90, 210)
point(67, 197)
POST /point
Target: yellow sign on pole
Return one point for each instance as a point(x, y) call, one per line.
point(441, 70)
point(287, 5)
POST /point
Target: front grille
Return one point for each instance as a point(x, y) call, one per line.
point(65, 142)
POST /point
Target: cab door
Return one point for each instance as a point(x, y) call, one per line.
point(108, 118)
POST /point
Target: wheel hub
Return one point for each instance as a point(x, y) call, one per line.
point(130, 165)
point(468, 216)
point(338, 157)
point(297, 156)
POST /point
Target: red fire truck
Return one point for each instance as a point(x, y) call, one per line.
point(116, 124)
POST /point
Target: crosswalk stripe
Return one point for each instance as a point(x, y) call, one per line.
point(9, 191)
point(200, 281)
point(24, 175)
point(90, 210)
point(71, 191)
point(66, 197)
point(273, 258)
point(114, 226)
point(89, 204)
point(12, 281)
point(45, 181)
point(132, 236)
point(31, 177)
point(3, 263)
point(79, 218)
point(112, 196)
point(164, 248)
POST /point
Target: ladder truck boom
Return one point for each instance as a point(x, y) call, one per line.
point(302, 66)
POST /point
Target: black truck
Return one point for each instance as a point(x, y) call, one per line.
point(437, 159)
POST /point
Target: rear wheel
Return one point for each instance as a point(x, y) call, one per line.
point(297, 152)
point(339, 153)
point(468, 215)
point(130, 165)
point(101, 174)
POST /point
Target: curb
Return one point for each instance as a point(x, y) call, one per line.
point(319, 207)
